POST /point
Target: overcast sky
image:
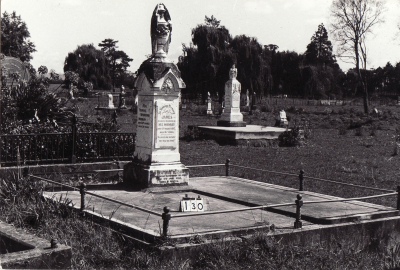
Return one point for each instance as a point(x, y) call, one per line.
point(57, 27)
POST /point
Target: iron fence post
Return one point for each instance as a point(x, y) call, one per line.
point(54, 243)
point(301, 178)
point(166, 216)
point(299, 203)
point(227, 166)
point(82, 190)
point(398, 197)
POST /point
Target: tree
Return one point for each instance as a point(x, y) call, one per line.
point(206, 62)
point(22, 101)
point(352, 21)
point(14, 37)
point(91, 66)
point(213, 22)
point(319, 51)
point(118, 61)
point(253, 66)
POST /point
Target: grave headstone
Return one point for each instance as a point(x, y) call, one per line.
point(223, 104)
point(209, 110)
point(156, 160)
point(121, 104)
point(110, 101)
point(71, 92)
point(247, 99)
point(283, 122)
point(231, 116)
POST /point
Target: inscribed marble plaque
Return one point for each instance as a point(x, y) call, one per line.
point(144, 114)
point(166, 125)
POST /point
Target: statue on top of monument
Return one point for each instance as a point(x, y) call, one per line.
point(160, 31)
point(233, 73)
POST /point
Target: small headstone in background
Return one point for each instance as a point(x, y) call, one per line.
point(71, 92)
point(247, 99)
point(209, 110)
point(110, 101)
point(283, 122)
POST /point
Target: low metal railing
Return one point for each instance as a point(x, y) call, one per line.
point(83, 192)
point(166, 216)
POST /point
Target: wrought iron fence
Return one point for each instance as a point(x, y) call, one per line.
point(64, 147)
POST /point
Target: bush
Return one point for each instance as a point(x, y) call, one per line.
point(266, 108)
point(359, 131)
point(342, 131)
point(192, 133)
point(289, 138)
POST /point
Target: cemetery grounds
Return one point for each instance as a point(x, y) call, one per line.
point(341, 144)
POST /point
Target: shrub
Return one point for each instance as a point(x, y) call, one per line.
point(202, 110)
point(342, 131)
point(374, 130)
point(292, 109)
point(289, 138)
point(359, 131)
point(244, 109)
point(192, 133)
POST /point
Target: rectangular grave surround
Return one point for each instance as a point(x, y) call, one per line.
point(20, 249)
point(222, 193)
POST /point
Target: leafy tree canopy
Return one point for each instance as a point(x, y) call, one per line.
point(91, 65)
point(117, 60)
point(15, 37)
point(319, 51)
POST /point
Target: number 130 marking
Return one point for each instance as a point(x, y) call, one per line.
point(192, 205)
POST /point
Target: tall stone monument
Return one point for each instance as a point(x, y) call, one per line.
point(231, 117)
point(156, 160)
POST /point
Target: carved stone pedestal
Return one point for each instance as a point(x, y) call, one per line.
point(156, 159)
point(231, 117)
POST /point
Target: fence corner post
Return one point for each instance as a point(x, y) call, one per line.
point(299, 203)
point(166, 216)
point(227, 166)
point(301, 178)
point(82, 190)
point(398, 197)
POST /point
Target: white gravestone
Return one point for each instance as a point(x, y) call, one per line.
point(231, 116)
point(156, 160)
point(110, 101)
point(209, 110)
point(282, 118)
point(247, 99)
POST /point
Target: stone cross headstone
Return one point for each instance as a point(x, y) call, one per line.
point(156, 160)
point(231, 116)
point(209, 110)
point(110, 101)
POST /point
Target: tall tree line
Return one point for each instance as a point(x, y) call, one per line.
point(263, 70)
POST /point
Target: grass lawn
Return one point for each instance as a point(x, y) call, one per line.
point(344, 145)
